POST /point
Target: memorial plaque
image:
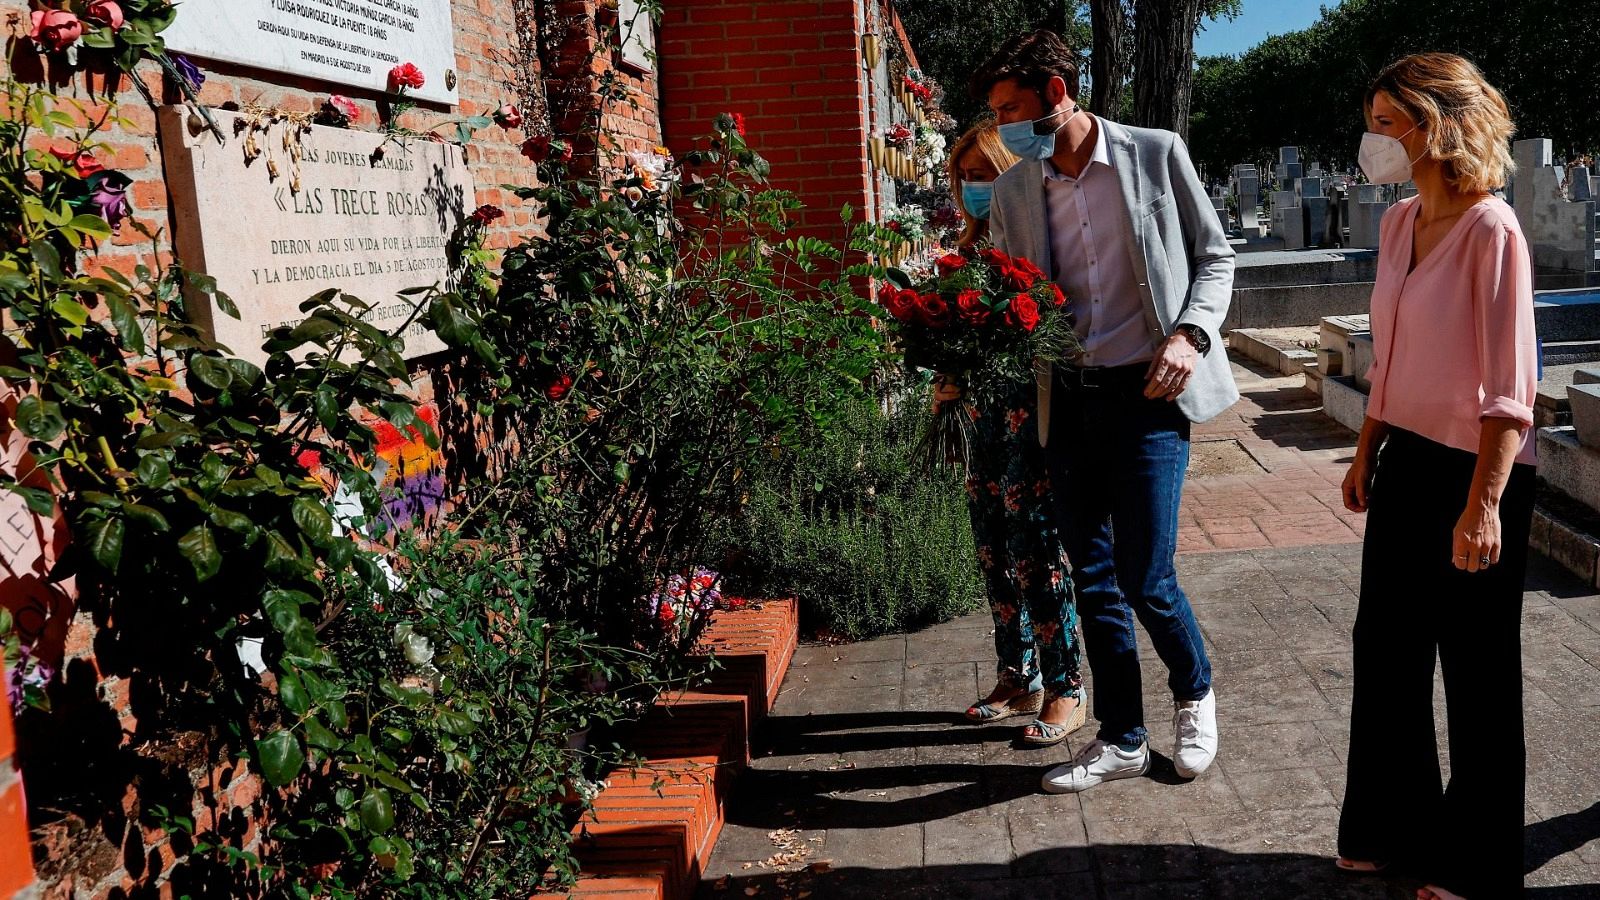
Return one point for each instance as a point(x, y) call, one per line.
point(352, 42)
point(371, 224)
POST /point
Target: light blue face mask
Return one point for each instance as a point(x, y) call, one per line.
point(975, 196)
point(1023, 139)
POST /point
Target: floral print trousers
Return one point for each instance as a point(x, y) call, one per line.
point(1019, 551)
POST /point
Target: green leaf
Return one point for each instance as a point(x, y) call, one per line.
point(71, 310)
point(93, 226)
point(233, 521)
point(40, 502)
point(313, 519)
point(199, 545)
point(148, 516)
point(280, 757)
point(318, 735)
point(40, 420)
point(211, 371)
point(105, 542)
point(377, 810)
point(154, 470)
point(126, 318)
point(455, 722)
point(293, 693)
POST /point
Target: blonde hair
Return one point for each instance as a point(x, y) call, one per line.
point(983, 138)
point(1464, 118)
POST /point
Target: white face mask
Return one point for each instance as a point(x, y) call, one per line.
point(1384, 159)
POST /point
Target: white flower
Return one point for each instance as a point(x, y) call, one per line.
point(417, 649)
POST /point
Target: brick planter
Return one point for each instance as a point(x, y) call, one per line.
point(644, 844)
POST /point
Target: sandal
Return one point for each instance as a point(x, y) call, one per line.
point(1019, 705)
point(1048, 734)
point(1360, 866)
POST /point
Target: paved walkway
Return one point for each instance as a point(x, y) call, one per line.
point(866, 784)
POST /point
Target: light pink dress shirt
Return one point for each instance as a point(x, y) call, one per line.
point(1453, 339)
point(1089, 238)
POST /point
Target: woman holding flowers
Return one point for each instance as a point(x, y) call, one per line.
point(1024, 567)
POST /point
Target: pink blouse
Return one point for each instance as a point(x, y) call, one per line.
point(1454, 339)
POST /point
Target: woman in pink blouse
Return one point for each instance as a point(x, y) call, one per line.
point(1444, 469)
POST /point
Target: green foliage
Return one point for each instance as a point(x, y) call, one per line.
point(664, 328)
point(845, 521)
point(1306, 87)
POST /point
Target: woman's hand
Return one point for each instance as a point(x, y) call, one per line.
point(1476, 545)
point(1358, 483)
point(945, 390)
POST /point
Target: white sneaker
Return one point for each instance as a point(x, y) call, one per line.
point(1095, 763)
point(1195, 722)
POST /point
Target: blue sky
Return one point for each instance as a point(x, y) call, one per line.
point(1260, 19)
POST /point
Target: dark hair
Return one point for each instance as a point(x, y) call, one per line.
point(1031, 60)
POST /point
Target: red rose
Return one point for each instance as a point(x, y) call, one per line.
point(559, 387)
point(1016, 277)
point(55, 29)
point(1057, 297)
point(82, 161)
point(1023, 312)
point(738, 123)
point(970, 305)
point(105, 11)
point(508, 116)
point(951, 263)
point(933, 311)
point(310, 460)
point(405, 75)
point(487, 213)
point(900, 304)
point(1026, 266)
point(995, 258)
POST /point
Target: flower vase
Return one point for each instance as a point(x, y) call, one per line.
point(869, 48)
point(875, 148)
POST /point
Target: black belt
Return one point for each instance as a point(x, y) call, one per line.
point(1074, 378)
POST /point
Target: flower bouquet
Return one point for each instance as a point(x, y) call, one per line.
point(983, 321)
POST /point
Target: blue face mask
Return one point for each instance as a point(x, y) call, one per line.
point(975, 196)
point(1023, 139)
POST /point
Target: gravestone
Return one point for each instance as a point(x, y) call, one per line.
point(1219, 203)
point(1288, 169)
point(1288, 220)
point(1316, 205)
point(1561, 232)
point(1579, 182)
point(357, 212)
point(1367, 207)
point(1247, 193)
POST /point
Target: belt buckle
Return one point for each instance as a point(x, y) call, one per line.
point(1082, 378)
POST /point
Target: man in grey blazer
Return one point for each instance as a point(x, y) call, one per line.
point(1122, 223)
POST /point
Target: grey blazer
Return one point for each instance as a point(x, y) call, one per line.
point(1180, 255)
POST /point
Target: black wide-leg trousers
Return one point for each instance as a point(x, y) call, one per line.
point(1416, 606)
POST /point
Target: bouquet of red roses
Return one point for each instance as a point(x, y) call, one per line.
point(983, 321)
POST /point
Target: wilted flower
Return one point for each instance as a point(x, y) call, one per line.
point(345, 107)
point(487, 213)
point(508, 116)
point(190, 72)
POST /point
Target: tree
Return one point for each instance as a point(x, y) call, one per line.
point(1164, 58)
point(1112, 24)
point(953, 37)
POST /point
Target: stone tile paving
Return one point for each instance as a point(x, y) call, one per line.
point(1266, 473)
point(866, 784)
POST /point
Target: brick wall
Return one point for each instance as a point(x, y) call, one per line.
point(114, 854)
point(794, 70)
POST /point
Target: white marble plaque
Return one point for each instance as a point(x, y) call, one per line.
point(371, 226)
point(350, 42)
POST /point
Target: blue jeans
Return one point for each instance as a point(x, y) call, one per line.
point(1117, 462)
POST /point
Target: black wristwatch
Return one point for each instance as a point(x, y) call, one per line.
point(1202, 343)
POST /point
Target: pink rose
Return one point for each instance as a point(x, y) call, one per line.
point(508, 116)
point(105, 11)
point(55, 29)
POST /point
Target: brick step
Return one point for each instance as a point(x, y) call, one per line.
point(652, 830)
